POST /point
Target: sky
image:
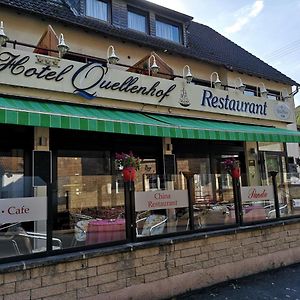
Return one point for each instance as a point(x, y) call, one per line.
point(269, 29)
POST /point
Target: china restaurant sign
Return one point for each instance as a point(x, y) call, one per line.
point(152, 200)
point(93, 80)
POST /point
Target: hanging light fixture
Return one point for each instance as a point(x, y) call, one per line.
point(3, 36)
point(239, 85)
point(112, 58)
point(217, 83)
point(262, 90)
point(188, 75)
point(154, 68)
point(62, 47)
point(284, 94)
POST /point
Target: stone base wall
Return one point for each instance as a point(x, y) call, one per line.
point(157, 272)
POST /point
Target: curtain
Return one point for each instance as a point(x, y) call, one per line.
point(136, 21)
point(96, 9)
point(167, 31)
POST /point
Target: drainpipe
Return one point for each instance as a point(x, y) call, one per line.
point(295, 92)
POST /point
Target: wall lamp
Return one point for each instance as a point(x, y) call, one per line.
point(3, 36)
point(262, 90)
point(186, 74)
point(284, 94)
point(239, 84)
point(62, 47)
point(154, 68)
point(217, 83)
point(112, 58)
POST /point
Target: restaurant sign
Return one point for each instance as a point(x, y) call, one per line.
point(162, 199)
point(257, 193)
point(23, 209)
point(95, 81)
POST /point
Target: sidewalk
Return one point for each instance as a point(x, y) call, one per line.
point(283, 283)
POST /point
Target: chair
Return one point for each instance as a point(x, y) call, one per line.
point(153, 225)
point(24, 241)
point(213, 216)
point(283, 210)
point(80, 223)
point(183, 221)
point(8, 246)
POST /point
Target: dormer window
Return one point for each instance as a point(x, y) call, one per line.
point(97, 9)
point(137, 20)
point(168, 30)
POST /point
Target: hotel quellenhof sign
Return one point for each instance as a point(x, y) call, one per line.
point(93, 80)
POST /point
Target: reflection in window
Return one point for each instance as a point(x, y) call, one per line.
point(97, 9)
point(12, 174)
point(164, 210)
point(168, 31)
point(90, 201)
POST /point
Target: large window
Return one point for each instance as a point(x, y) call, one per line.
point(168, 30)
point(90, 201)
point(137, 20)
point(97, 9)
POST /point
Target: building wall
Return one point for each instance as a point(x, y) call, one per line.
point(158, 271)
point(96, 44)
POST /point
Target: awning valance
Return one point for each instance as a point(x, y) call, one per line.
point(81, 117)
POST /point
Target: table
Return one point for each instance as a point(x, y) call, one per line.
point(254, 213)
point(100, 231)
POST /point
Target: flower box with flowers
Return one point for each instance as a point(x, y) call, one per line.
point(232, 167)
point(129, 164)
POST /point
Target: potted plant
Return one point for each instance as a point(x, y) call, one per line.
point(232, 167)
point(129, 164)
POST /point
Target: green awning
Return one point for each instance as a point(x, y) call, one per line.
point(84, 117)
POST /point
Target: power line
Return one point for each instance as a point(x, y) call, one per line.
point(287, 49)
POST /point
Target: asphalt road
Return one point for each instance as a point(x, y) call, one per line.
point(283, 283)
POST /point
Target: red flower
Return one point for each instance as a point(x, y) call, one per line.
point(230, 164)
point(125, 160)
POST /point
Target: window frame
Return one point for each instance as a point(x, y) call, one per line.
point(139, 12)
point(171, 23)
point(274, 95)
point(108, 10)
point(250, 91)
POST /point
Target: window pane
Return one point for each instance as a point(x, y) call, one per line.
point(136, 21)
point(23, 208)
point(249, 93)
point(272, 97)
point(96, 9)
point(90, 202)
point(167, 31)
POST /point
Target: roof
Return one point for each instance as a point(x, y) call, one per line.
point(203, 43)
point(163, 10)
